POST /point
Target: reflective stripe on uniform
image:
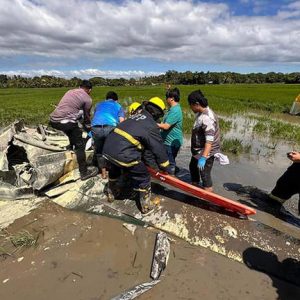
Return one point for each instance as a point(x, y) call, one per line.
point(165, 164)
point(128, 137)
point(123, 164)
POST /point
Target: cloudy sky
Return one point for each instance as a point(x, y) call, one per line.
point(134, 38)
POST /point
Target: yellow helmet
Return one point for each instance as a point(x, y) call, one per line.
point(133, 107)
point(158, 102)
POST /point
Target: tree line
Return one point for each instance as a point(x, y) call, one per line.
point(170, 77)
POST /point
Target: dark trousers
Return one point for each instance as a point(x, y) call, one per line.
point(205, 175)
point(138, 174)
point(289, 183)
point(172, 152)
point(77, 143)
point(99, 135)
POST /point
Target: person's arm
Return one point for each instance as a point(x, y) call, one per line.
point(121, 115)
point(87, 110)
point(209, 131)
point(164, 126)
point(170, 120)
point(207, 149)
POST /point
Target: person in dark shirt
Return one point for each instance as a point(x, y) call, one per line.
point(125, 148)
point(289, 183)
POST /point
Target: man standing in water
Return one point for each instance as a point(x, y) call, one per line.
point(205, 141)
point(65, 118)
point(289, 183)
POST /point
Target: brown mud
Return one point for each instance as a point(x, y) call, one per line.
point(84, 256)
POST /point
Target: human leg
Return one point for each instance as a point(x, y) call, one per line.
point(111, 189)
point(205, 174)
point(74, 134)
point(99, 135)
point(287, 185)
point(141, 180)
point(172, 153)
point(194, 171)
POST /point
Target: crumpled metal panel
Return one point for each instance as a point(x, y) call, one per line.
point(6, 135)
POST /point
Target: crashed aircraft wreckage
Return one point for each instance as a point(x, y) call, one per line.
point(35, 164)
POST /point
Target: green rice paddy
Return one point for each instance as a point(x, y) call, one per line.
point(271, 101)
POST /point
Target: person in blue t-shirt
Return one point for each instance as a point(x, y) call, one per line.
point(107, 115)
point(171, 127)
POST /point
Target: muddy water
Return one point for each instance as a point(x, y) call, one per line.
point(259, 169)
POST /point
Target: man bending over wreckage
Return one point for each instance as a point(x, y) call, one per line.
point(125, 148)
point(289, 183)
point(107, 115)
point(65, 118)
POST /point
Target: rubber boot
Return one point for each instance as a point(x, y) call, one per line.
point(90, 172)
point(145, 200)
point(112, 190)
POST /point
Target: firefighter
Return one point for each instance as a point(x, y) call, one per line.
point(126, 146)
point(133, 108)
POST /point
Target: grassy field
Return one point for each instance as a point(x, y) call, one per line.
point(35, 105)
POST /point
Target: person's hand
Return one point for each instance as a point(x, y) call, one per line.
point(201, 163)
point(294, 156)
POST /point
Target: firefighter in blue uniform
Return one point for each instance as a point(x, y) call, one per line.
point(126, 148)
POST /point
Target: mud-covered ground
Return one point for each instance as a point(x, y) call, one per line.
point(84, 256)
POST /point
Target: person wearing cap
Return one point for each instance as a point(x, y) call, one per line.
point(125, 146)
point(171, 127)
point(73, 106)
point(205, 140)
point(107, 115)
point(288, 184)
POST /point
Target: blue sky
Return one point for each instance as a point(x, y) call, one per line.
point(136, 38)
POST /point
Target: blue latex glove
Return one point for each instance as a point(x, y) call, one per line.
point(201, 163)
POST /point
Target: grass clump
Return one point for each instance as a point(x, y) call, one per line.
point(225, 125)
point(277, 129)
point(235, 146)
point(23, 239)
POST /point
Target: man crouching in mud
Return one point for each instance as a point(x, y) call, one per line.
point(126, 145)
point(288, 184)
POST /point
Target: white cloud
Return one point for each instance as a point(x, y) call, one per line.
point(84, 73)
point(170, 30)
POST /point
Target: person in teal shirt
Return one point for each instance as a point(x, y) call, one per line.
point(171, 127)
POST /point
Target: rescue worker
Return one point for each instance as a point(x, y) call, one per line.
point(126, 145)
point(73, 106)
point(133, 108)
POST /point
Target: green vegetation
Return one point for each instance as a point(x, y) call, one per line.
point(23, 239)
point(35, 104)
point(277, 129)
point(235, 146)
